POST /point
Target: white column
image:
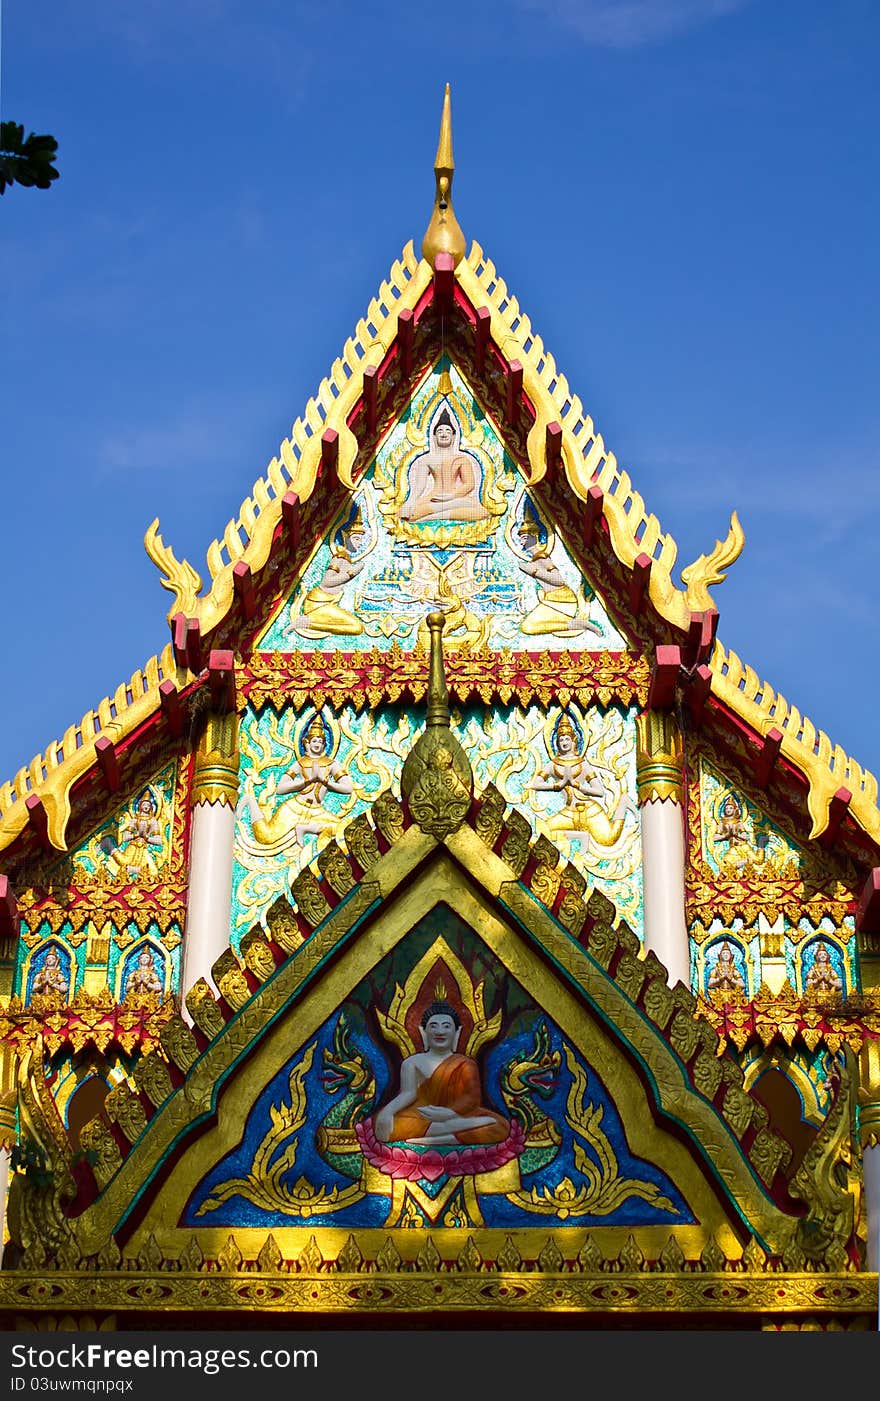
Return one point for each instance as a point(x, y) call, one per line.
point(7, 1134)
point(663, 842)
point(871, 1187)
point(209, 895)
point(869, 1134)
point(4, 1188)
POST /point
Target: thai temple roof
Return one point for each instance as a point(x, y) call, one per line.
point(338, 432)
point(622, 871)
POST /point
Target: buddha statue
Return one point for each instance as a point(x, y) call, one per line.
point(439, 1101)
point(444, 481)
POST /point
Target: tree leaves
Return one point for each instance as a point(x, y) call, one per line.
point(26, 161)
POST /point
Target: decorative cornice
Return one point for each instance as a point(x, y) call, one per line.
point(388, 1285)
point(368, 678)
point(826, 767)
point(812, 1020)
point(52, 775)
point(92, 1019)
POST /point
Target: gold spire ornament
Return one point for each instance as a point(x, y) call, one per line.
point(443, 234)
point(437, 782)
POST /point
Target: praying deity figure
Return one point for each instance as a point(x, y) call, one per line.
point(823, 977)
point(733, 836)
point(140, 840)
point(321, 613)
point(724, 975)
point(440, 1095)
point(444, 481)
point(51, 977)
point(558, 609)
point(305, 786)
point(143, 977)
point(571, 773)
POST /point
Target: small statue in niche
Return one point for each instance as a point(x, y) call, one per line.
point(724, 976)
point(439, 1101)
point(143, 977)
point(51, 978)
point(823, 976)
point(321, 613)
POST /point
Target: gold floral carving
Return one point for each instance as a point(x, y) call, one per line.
point(279, 679)
point(102, 1150)
point(202, 1007)
point(124, 1108)
point(603, 1189)
point(276, 1156)
point(335, 867)
point(588, 1282)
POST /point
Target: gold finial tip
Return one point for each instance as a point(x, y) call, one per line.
point(443, 234)
point(436, 620)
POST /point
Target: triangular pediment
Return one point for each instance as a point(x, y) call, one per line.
point(605, 1107)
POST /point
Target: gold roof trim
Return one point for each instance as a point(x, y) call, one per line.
point(586, 460)
point(52, 774)
point(249, 536)
point(825, 765)
point(633, 531)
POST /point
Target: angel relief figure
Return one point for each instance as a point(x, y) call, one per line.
point(558, 610)
point(138, 853)
point(582, 782)
point(303, 791)
point(321, 611)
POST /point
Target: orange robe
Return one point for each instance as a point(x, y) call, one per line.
point(455, 1084)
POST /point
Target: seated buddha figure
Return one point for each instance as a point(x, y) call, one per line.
point(439, 1098)
point(444, 482)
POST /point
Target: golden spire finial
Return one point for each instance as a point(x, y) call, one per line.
point(437, 781)
point(443, 234)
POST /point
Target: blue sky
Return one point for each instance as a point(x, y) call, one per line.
point(681, 193)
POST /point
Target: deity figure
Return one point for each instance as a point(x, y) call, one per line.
point(51, 977)
point(557, 608)
point(444, 481)
point(143, 977)
point(321, 614)
point(439, 1101)
point(724, 975)
point(570, 772)
point(733, 835)
point(822, 977)
point(305, 785)
point(140, 839)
